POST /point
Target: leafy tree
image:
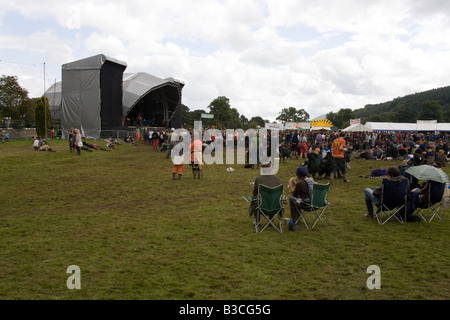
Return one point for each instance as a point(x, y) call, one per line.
point(221, 109)
point(389, 117)
point(405, 113)
point(446, 112)
point(345, 114)
point(243, 121)
point(43, 116)
point(14, 101)
point(341, 119)
point(333, 117)
point(258, 121)
point(291, 114)
point(431, 110)
point(235, 121)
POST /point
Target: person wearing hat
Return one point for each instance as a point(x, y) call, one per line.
point(299, 188)
point(441, 158)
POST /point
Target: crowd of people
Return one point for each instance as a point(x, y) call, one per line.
point(327, 154)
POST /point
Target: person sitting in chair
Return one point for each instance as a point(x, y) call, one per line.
point(269, 180)
point(373, 197)
point(313, 162)
point(299, 188)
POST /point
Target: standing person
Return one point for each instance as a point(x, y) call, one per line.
point(71, 140)
point(196, 148)
point(155, 140)
point(294, 145)
point(319, 140)
point(170, 143)
point(53, 134)
point(338, 150)
point(3, 134)
point(178, 162)
point(304, 148)
point(78, 143)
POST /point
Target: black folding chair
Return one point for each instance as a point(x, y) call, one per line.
point(433, 205)
point(393, 201)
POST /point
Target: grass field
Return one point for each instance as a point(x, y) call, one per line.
point(136, 234)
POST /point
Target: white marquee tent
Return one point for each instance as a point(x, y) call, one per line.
point(357, 127)
point(421, 125)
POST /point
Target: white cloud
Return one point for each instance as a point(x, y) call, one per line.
point(263, 55)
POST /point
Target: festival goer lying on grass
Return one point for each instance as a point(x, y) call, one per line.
point(94, 146)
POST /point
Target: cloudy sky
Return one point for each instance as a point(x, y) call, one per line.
point(264, 55)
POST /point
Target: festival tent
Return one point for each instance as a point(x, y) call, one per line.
point(320, 128)
point(443, 127)
point(152, 98)
point(390, 126)
point(92, 94)
point(357, 127)
point(420, 125)
point(53, 95)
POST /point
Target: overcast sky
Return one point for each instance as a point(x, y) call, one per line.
point(264, 55)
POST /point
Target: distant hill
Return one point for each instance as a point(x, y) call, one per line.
point(428, 105)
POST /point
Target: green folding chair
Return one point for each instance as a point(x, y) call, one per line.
point(270, 208)
point(314, 209)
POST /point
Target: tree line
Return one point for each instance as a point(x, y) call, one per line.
point(428, 105)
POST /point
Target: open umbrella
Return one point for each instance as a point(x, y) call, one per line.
point(409, 143)
point(427, 172)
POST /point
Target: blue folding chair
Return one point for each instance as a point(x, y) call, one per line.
point(393, 201)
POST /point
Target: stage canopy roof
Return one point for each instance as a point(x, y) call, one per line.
point(149, 96)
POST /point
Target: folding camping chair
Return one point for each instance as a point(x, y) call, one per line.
point(393, 201)
point(413, 181)
point(314, 166)
point(314, 209)
point(269, 206)
point(435, 202)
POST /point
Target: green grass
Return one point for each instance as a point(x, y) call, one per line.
point(136, 234)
